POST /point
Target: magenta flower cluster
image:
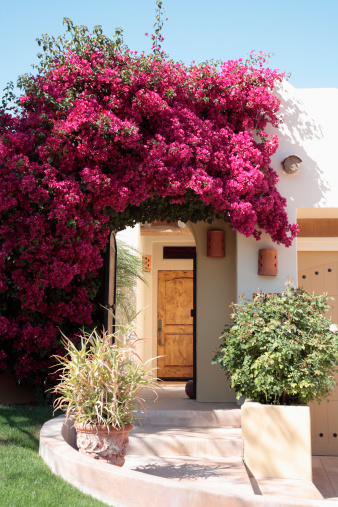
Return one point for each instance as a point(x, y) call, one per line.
point(96, 134)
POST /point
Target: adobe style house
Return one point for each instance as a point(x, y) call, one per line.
point(186, 303)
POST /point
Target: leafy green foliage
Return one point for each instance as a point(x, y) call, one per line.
point(280, 349)
point(100, 383)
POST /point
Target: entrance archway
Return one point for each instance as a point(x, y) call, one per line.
point(166, 301)
point(215, 289)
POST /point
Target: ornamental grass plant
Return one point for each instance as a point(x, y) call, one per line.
point(100, 381)
point(281, 348)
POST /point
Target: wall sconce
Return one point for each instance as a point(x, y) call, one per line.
point(291, 164)
point(267, 262)
point(216, 244)
point(146, 261)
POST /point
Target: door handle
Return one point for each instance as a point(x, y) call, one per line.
point(159, 329)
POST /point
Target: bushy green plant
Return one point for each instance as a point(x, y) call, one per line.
point(281, 348)
point(100, 382)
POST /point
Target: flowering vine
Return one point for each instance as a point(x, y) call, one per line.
point(102, 138)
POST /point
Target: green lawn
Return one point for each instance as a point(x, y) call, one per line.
point(25, 480)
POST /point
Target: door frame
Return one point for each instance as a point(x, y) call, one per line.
point(194, 335)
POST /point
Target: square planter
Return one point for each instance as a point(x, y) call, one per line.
point(277, 441)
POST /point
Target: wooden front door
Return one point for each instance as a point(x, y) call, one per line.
point(175, 324)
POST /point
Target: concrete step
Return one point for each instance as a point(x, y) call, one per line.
point(227, 475)
point(161, 440)
point(224, 415)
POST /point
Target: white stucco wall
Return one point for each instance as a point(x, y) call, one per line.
point(309, 131)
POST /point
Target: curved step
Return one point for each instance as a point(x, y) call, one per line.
point(218, 474)
point(227, 416)
point(169, 480)
point(160, 440)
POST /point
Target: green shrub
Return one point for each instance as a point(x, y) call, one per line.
point(281, 348)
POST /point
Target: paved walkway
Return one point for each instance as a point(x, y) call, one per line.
point(228, 473)
point(184, 454)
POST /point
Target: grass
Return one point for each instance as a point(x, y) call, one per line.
point(25, 480)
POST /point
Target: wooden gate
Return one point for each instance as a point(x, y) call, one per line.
point(317, 272)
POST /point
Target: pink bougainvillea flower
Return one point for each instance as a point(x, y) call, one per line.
point(101, 139)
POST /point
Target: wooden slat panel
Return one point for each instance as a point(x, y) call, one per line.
point(330, 277)
point(333, 424)
point(304, 280)
point(318, 227)
point(317, 280)
point(319, 422)
point(324, 416)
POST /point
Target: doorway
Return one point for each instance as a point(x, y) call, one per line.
point(175, 324)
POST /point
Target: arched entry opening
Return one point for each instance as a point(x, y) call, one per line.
point(168, 301)
point(185, 304)
point(165, 302)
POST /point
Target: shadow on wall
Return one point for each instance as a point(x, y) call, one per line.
point(297, 123)
point(300, 134)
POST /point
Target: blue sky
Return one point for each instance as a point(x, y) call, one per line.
point(302, 34)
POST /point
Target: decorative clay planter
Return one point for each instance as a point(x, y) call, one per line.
point(99, 442)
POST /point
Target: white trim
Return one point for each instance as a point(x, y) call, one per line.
point(317, 244)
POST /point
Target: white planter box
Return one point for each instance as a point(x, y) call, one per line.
point(277, 441)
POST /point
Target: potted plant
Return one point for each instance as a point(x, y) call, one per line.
point(280, 353)
point(100, 389)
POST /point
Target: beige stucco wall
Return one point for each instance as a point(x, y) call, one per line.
point(215, 291)
point(277, 441)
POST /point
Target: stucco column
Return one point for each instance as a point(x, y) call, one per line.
point(215, 291)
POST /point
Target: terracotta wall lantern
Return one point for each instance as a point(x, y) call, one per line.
point(216, 244)
point(267, 262)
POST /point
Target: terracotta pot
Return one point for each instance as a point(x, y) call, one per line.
point(99, 442)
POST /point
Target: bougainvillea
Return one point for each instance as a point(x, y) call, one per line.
point(103, 138)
